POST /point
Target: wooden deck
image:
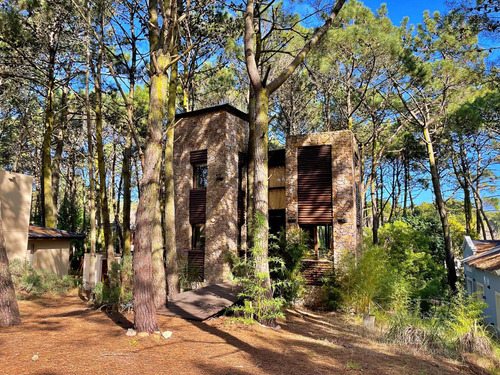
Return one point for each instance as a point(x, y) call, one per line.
point(201, 304)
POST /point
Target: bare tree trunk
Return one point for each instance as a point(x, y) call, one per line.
point(443, 215)
point(90, 162)
point(56, 165)
point(49, 212)
point(108, 243)
point(9, 310)
point(172, 269)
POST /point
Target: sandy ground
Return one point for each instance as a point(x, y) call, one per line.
point(70, 338)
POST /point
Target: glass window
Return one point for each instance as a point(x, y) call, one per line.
point(200, 176)
point(198, 236)
point(320, 239)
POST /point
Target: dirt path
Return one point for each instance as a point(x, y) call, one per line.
point(71, 339)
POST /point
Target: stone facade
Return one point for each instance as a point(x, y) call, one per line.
point(223, 135)
point(345, 174)
point(223, 132)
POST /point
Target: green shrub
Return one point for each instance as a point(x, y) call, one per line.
point(107, 294)
point(37, 282)
point(359, 282)
point(289, 249)
point(259, 304)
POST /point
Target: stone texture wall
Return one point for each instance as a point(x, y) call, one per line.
point(223, 135)
point(346, 236)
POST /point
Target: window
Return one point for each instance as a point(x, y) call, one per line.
point(200, 176)
point(320, 239)
point(469, 286)
point(480, 291)
point(198, 236)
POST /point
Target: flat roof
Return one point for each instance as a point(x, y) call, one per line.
point(223, 107)
point(37, 232)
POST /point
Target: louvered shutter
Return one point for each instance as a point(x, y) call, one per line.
point(315, 184)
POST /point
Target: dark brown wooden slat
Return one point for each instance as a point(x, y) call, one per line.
point(314, 184)
point(197, 206)
point(198, 157)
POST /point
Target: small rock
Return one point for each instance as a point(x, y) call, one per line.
point(157, 332)
point(166, 335)
point(131, 332)
point(34, 358)
point(143, 334)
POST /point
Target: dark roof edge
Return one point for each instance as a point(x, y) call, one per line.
point(55, 233)
point(223, 107)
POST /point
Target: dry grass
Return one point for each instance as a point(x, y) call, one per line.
point(69, 338)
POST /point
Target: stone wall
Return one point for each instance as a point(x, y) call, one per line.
point(346, 235)
point(223, 135)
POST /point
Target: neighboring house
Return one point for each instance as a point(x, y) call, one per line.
point(43, 248)
point(49, 248)
point(15, 194)
point(313, 185)
point(482, 275)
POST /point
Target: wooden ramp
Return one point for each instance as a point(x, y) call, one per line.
point(201, 304)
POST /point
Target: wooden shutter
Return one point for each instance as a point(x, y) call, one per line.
point(198, 157)
point(315, 184)
point(197, 206)
point(196, 264)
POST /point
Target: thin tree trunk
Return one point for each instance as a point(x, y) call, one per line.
point(9, 310)
point(90, 162)
point(56, 165)
point(250, 169)
point(101, 165)
point(443, 215)
point(49, 212)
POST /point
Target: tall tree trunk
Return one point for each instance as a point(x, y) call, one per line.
point(373, 193)
point(443, 215)
point(101, 166)
point(90, 162)
point(172, 269)
point(56, 165)
point(250, 169)
point(9, 310)
point(127, 200)
point(261, 215)
point(149, 280)
point(49, 211)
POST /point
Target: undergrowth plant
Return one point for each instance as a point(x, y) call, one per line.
point(258, 302)
point(38, 282)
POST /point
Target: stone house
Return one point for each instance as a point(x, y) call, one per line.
point(313, 185)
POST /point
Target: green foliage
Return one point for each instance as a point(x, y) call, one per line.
point(259, 304)
point(453, 328)
point(106, 294)
point(361, 281)
point(289, 248)
point(38, 282)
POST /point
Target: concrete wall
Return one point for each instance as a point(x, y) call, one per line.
point(50, 255)
point(15, 194)
point(223, 135)
point(346, 235)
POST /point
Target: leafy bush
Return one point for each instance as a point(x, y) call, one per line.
point(37, 282)
point(259, 304)
point(289, 249)
point(107, 294)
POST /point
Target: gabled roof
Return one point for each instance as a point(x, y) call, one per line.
point(38, 232)
point(486, 257)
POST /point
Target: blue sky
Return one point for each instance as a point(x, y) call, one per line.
point(414, 9)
